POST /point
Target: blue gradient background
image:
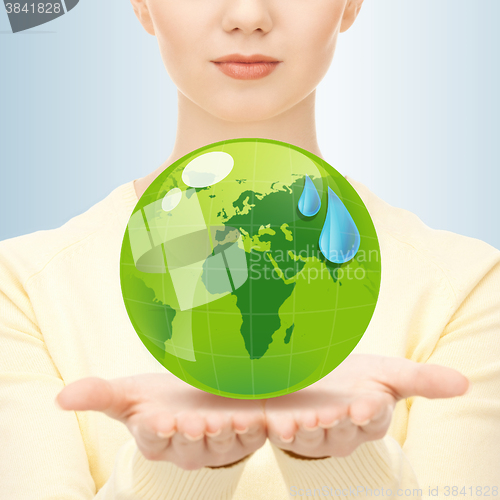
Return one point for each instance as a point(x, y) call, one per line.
point(410, 108)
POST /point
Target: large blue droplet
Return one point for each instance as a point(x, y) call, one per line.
point(339, 240)
point(310, 202)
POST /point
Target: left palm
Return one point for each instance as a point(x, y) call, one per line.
point(353, 403)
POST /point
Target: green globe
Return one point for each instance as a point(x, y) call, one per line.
point(250, 268)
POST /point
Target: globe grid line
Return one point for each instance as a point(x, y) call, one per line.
point(295, 284)
point(251, 305)
point(342, 197)
point(166, 317)
point(302, 228)
point(259, 314)
point(331, 335)
point(240, 269)
point(208, 311)
point(163, 306)
point(284, 355)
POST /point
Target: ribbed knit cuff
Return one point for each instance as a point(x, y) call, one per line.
point(374, 465)
point(136, 478)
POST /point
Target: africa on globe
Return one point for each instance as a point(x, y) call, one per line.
point(250, 268)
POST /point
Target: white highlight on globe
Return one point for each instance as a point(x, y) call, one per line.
point(171, 199)
point(207, 169)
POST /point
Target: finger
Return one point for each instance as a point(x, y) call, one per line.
point(145, 431)
point(223, 439)
point(281, 426)
point(187, 452)
point(112, 397)
point(309, 435)
point(254, 435)
point(164, 425)
point(364, 408)
point(379, 424)
point(408, 378)
point(243, 420)
point(343, 432)
point(306, 419)
point(191, 424)
point(331, 416)
point(215, 422)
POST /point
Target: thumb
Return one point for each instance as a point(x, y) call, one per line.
point(408, 378)
point(94, 393)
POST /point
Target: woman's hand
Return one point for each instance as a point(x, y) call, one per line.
point(173, 421)
point(353, 404)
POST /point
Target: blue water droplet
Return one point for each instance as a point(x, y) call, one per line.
point(310, 202)
point(339, 240)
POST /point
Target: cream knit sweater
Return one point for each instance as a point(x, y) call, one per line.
point(62, 318)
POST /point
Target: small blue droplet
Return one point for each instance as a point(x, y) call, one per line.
point(310, 202)
point(339, 240)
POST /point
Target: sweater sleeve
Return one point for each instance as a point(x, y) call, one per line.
point(452, 445)
point(134, 477)
point(42, 453)
point(375, 468)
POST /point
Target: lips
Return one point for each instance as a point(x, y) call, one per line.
point(241, 67)
point(240, 58)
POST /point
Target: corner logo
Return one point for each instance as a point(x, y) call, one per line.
point(26, 15)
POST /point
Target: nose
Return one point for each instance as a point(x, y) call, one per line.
point(247, 16)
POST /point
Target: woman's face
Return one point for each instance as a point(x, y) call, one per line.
point(301, 34)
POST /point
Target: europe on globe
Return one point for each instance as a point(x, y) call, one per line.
point(250, 268)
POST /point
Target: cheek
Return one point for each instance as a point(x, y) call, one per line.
point(181, 32)
point(314, 31)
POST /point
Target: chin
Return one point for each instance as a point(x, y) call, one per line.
point(248, 111)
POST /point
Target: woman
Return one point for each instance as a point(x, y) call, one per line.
point(411, 412)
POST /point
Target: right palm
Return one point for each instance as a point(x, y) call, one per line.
point(152, 403)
